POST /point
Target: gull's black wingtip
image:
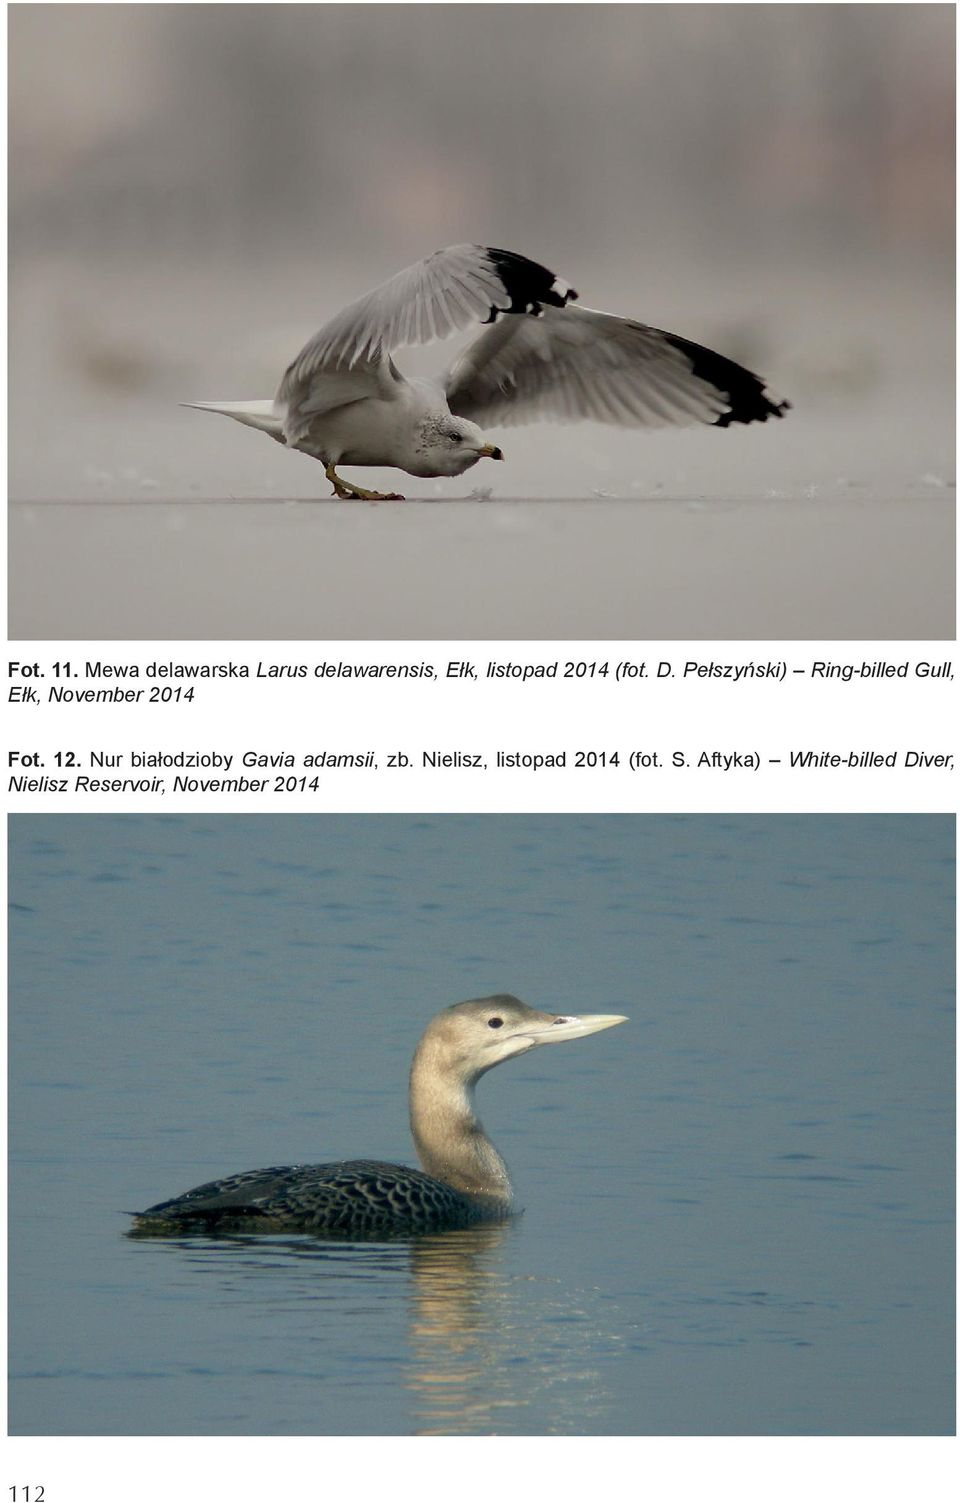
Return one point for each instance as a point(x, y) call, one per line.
point(527, 284)
point(753, 406)
point(748, 395)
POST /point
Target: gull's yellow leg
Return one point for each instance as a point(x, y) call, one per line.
point(349, 492)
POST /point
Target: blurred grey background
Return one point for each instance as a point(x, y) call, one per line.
point(194, 189)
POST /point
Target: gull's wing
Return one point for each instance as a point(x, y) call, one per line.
point(299, 402)
point(436, 297)
point(574, 364)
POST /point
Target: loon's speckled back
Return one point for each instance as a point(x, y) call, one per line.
point(469, 1182)
point(359, 1198)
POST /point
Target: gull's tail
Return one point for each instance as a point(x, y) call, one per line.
point(254, 414)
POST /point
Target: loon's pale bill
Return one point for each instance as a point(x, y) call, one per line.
point(573, 1028)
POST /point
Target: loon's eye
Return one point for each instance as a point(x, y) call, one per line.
point(494, 1022)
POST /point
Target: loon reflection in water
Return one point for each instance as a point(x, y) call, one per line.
point(465, 1179)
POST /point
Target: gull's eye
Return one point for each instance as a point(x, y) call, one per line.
point(456, 438)
point(494, 1022)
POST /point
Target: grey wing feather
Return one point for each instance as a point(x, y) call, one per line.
point(576, 364)
point(436, 297)
point(300, 401)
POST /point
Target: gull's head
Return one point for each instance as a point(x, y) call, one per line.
point(449, 445)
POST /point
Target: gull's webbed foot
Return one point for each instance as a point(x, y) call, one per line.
point(349, 492)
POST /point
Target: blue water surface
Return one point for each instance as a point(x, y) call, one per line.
point(739, 1211)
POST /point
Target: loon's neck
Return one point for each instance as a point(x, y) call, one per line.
point(450, 1140)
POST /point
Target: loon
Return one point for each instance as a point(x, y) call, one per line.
point(464, 1180)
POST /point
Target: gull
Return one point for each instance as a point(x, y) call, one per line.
point(540, 355)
